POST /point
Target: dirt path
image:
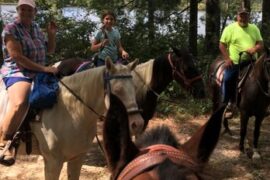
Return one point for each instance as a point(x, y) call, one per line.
point(225, 163)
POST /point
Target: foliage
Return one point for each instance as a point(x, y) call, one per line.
point(72, 37)
point(169, 25)
point(183, 104)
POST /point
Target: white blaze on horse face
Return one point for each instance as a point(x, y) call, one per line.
point(107, 101)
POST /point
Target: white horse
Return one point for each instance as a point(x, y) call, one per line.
point(67, 129)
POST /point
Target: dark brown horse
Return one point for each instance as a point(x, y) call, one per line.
point(153, 76)
point(253, 98)
point(156, 154)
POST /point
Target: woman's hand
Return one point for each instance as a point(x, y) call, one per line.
point(51, 28)
point(125, 55)
point(51, 69)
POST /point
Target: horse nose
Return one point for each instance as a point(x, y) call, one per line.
point(136, 124)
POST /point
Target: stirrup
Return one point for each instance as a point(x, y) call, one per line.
point(8, 150)
point(7, 153)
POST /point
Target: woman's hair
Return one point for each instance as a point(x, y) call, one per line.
point(108, 12)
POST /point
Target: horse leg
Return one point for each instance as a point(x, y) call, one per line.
point(243, 130)
point(226, 126)
point(74, 167)
point(52, 168)
point(256, 135)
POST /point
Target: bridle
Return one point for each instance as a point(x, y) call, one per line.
point(107, 88)
point(181, 75)
point(152, 156)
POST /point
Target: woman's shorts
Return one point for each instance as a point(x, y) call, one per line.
point(9, 81)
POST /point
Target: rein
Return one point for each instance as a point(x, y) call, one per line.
point(107, 86)
point(187, 82)
point(153, 156)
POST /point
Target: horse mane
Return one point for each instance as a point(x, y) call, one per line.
point(159, 135)
point(163, 73)
point(259, 63)
point(145, 71)
point(91, 78)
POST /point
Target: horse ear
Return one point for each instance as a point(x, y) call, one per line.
point(176, 51)
point(109, 64)
point(133, 64)
point(202, 143)
point(118, 145)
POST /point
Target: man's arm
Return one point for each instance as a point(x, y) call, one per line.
point(257, 48)
point(225, 54)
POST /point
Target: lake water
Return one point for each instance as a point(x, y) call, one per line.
point(8, 13)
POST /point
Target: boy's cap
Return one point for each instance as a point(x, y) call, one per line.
point(27, 2)
point(243, 10)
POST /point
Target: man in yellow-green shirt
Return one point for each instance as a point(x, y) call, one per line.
point(238, 37)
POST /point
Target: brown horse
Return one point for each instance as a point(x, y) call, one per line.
point(156, 154)
point(253, 98)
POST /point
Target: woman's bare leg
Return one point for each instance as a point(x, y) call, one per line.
point(17, 108)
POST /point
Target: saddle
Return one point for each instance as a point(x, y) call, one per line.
point(218, 74)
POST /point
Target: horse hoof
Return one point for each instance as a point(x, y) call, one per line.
point(227, 131)
point(256, 157)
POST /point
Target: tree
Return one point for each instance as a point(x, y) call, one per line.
point(193, 32)
point(265, 22)
point(212, 27)
point(246, 4)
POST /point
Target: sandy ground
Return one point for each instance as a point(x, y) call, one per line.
point(226, 162)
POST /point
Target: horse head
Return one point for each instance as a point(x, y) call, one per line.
point(186, 73)
point(118, 81)
point(262, 73)
point(157, 154)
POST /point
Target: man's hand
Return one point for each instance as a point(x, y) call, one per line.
point(251, 51)
point(228, 63)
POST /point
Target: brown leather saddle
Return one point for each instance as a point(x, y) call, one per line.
point(218, 73)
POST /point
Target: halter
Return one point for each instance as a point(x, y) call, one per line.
point(107, 87)
point(155, 155)
point(187, 82)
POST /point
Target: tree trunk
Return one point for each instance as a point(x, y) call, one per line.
point(265, 22)
point(193, 32)
point(151, 21)
point(212, 27)
point(246, 4)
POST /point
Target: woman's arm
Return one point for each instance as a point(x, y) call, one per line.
point(51, 30)
point(15, 51)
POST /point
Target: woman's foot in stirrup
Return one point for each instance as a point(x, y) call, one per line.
point(7, 153)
